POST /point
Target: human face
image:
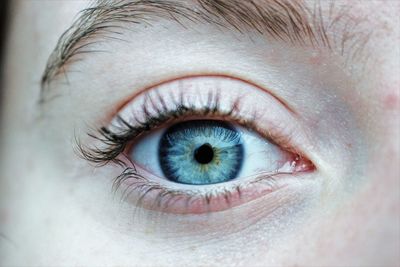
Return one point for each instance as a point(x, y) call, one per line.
point(324, 78)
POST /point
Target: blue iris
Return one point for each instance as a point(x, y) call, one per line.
point(201, 152)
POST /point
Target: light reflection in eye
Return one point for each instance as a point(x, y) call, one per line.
point(202, 144)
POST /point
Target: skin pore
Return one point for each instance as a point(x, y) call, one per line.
point(57, 209)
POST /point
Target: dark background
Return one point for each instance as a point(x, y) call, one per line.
point(4, 6)
point(3, 25)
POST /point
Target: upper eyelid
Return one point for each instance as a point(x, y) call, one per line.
point(278, 98)
point(125, 127)
point(285, 20)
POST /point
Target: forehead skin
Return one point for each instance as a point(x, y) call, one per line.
point(364, 231)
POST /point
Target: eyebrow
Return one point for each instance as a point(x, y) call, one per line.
point(284, 20)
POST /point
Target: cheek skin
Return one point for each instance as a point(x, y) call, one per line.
point(391, 101)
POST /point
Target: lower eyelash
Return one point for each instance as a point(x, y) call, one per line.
point(165, 196)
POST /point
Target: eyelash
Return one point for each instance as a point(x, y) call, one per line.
point(115, 142)
point(167, 195)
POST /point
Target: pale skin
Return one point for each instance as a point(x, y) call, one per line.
point(57, 209)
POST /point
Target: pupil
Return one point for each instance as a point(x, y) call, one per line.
point(204, 154)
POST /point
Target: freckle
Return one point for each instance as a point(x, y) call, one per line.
point(349, 145)
point(391, 101)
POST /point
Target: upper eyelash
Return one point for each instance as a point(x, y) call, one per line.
point(116, 141)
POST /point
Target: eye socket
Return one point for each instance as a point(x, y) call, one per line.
point(237, 142)
point(200, 152)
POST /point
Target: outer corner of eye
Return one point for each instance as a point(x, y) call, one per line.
point(203, 144)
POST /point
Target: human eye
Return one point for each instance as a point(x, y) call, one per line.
point(201, 144)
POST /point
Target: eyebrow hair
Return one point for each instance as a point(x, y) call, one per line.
point(289, 21)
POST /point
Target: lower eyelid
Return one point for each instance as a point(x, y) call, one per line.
point(195, 204)
point(164, 196)
point(273, 213)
